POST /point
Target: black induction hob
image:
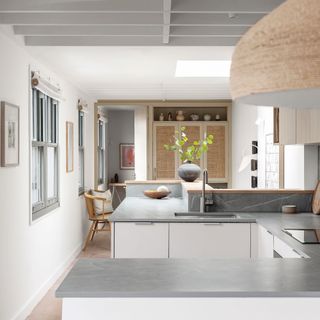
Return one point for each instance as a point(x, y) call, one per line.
point(304, 235)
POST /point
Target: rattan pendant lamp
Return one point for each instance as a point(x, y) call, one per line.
point(277, 62)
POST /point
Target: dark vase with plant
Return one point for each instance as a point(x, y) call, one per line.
point(189, 171)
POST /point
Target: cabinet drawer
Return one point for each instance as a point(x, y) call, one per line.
point(209, 240)
point(284, 250)
point(141, 240)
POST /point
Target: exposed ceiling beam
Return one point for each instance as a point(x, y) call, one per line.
point(166, 20)
point(207, 30)
point(81, 5)
point(245, 6)
point(253, 6)
point(81, 18)
point(211, 19)
point(128, 41)
point(127, 19)
point(40, 30)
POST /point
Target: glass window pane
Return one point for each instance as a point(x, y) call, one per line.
point(101, 134)
point(51, 172)
point(34, 114)
point(41, 117)
point(37, 175)
point(81, 169)
point(49, 123)
point(54, 121)
point(80, 125)
point(101, 166)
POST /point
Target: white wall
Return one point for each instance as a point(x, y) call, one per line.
point(265, 127)
point(120, 130)
point(244, 131)
point(33, 255)
point(140, 137)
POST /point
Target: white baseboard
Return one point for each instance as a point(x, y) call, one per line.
point(27, 308)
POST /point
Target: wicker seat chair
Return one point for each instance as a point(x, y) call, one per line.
point(99, 220)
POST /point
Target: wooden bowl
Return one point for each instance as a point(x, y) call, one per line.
point(154, 194)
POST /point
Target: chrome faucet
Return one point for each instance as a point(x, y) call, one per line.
point(203, 195)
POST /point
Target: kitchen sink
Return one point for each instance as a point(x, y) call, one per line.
point(206, 215)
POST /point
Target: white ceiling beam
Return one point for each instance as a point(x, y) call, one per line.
point(127, 41)
point(166, 20)
point(40, 30)
point(81, 5)
point(214, 19)
point(155, 19)
point(207, 30)
point(81, 18)
point(214, 6)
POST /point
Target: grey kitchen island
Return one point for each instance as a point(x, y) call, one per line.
point(217, 282)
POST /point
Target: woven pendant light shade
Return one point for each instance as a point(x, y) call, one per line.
point(277, 62)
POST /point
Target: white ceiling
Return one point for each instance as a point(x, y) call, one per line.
point(135, 72)
point(127, 49)
point(133, 22)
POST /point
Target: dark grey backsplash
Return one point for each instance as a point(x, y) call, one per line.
point(253, 202)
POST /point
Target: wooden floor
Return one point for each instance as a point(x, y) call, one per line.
point(49, 308)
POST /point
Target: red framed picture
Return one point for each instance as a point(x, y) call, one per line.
point(126, 156)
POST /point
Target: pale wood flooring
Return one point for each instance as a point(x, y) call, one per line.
point(49, 308)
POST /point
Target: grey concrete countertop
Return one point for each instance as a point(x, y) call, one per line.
point(192, 278)
point(145, 209)
point(199, 277)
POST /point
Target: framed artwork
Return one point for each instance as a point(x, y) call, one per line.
point(126, 156)
point(69, 146)
point(9, 133)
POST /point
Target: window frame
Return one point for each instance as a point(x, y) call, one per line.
point(46, 137)
point(81, 152)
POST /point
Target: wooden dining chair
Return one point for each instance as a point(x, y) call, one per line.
point(99, 220)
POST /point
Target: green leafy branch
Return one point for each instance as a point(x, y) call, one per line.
point(191, 152)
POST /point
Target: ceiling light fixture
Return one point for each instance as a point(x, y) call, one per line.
point(277, 62)
point(203, 68)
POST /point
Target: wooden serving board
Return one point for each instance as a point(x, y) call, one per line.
point(316, 200)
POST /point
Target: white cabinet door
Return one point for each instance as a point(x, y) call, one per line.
point(140, 240)
point(209, 240)
point(284, 250)
point(265, 243)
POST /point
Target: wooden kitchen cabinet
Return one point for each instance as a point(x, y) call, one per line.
point(265, 243)
point(140, 240)
point(299, 126)
point(308, 129)
point(209, 240)
point(287, 126)
point(165, 162)
point(216, 160)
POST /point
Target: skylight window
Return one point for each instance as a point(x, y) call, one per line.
point(203, 68)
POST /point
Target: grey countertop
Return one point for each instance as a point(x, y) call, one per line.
point(192, 278)
point(145, 209)
point(199, 277)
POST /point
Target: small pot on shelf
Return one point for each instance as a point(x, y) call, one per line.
point(189, 171)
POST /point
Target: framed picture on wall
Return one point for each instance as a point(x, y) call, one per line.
point(126, 156)
point(69, 146)
point(9, 133)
